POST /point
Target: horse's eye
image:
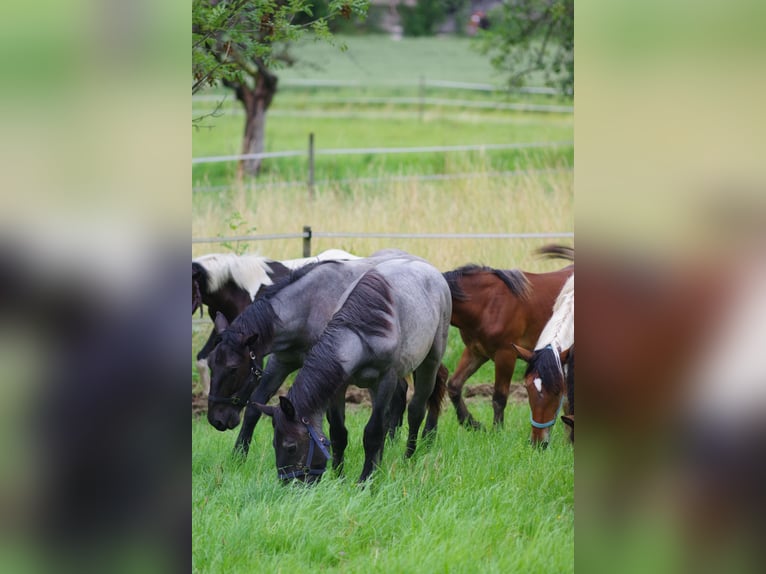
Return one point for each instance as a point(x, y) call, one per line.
point(291, 447)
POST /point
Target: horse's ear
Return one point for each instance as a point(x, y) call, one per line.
point(265, 409)
point(287, 407)
point(221, 323)
point(523, 353)
point(568, 420)
point(564, 355)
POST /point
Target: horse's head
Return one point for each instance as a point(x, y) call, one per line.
point(299, 444)
point(544, 381)
point(235, 370)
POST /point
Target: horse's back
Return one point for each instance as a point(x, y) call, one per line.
point(423, 305)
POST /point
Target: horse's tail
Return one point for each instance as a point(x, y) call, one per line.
point(440, 390)
point(557, 252)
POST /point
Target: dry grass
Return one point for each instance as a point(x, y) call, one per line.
point(526, 203)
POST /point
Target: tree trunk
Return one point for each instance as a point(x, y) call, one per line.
point(255, 101)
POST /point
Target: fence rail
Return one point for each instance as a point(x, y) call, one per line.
point(307, 234)
point(380, 150)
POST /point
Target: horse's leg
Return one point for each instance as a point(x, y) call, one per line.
point(469, 363)
point(505, 361)
point(273, 377)
point(375, 431)
point(336, 417)
point(397, 408)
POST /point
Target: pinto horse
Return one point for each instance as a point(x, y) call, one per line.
point(493, 309)
point(228, 283)
point(545, 376)
point(393, 321)
point(285, 321)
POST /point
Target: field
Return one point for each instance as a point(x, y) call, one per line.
point(472, 501)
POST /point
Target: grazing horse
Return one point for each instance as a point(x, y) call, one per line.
point(394, 321)
point(544, 378)
point(228, 283)
point(284, 321)
point(569, 418)
point(493, 309)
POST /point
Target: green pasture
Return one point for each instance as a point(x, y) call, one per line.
point(373, 115)
point(471, 501)
point(468, 502)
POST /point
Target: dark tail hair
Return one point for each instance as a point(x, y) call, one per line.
point(440, 390)
point(557, 252)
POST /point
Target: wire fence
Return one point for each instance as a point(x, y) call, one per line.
point(379, 151)
point(308, 234)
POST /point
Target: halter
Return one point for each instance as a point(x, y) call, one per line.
point(315, 440)
point(550, 423)
point(235, 400)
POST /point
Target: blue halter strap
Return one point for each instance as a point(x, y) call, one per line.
point(308, 471)
point(552, 422)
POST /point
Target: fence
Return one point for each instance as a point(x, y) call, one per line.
point(307, 234)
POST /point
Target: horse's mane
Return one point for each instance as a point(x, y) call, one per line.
point(560, 327)
point(367, 311)
point(249, 272)
point(559, 334)
point(259, 317)
point(296, 274)
point(514, 279)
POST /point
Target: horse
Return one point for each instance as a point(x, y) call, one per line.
point(569, 418)
point(545, 376)
point(228, 283)
point(284, 321)
point(393, 321)
point(493, 309)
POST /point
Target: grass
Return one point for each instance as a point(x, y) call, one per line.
point(471, 501)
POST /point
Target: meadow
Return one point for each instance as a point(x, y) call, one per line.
point(471, 501)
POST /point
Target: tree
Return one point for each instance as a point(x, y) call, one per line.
point(532, 35)
point(241, 44)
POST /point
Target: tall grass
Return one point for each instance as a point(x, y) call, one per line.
point(469, 502)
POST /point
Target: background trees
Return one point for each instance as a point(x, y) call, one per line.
point(241, 44)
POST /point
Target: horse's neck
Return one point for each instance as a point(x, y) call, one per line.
point(328, 368)
point(559, 331)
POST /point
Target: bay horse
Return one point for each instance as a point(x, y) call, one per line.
point(284, 321)
point(228, 283)
point(493, 309)
point(545, 376)
point(393, 321)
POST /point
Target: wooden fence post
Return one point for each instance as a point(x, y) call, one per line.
point(307, 241)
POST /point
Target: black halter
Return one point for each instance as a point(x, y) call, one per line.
point(307, 470)
point(252, 382)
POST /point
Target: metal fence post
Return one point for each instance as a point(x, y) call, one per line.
point(311, 166)
point(307, 241)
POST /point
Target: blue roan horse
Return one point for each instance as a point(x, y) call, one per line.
point(285, 321)
point(394, 321)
